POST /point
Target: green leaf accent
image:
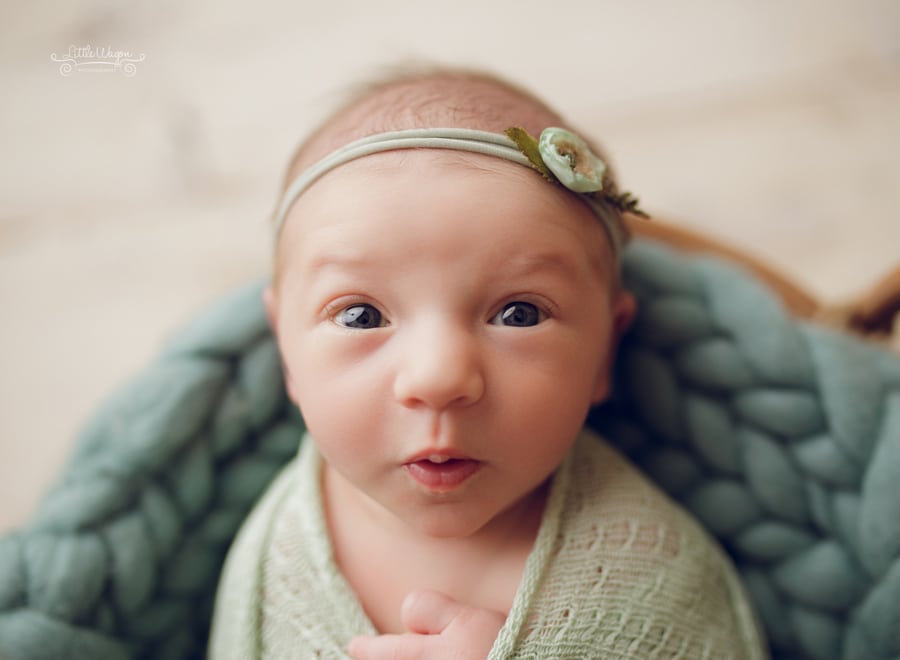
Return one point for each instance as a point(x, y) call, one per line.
point(528, 145)
point(626, 203)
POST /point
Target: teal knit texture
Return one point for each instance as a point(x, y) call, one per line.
point(783, 438)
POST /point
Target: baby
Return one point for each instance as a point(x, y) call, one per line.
point(446, 316)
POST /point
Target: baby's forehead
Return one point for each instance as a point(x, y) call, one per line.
point(440, 169)
point(456, 181)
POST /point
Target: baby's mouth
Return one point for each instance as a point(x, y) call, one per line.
point(442, 473)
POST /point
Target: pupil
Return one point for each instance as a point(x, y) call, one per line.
point(361, 316)
point(519, 314)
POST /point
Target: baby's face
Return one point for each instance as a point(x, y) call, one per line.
point(445, 323)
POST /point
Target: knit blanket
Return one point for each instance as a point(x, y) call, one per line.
point(783, 438)
point(618, 570)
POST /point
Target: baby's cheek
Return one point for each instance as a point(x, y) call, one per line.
point(333, 405)
point(554, 403)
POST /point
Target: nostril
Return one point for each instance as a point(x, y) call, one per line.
point(438, 387)
point(439, 395)
point(438, 368)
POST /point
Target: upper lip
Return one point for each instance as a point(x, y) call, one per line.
point(447, 454)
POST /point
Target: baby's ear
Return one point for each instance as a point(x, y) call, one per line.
point(270, 301)
point(271, 304)
point(623, 310)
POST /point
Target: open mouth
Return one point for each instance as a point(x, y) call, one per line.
point(441, 473)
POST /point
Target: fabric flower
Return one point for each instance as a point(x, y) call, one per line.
point(563, 157)
point(571, 160)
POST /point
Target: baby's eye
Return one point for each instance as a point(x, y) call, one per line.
point(518, 315)
point(360, 317)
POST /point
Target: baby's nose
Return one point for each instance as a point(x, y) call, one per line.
point(439, 368)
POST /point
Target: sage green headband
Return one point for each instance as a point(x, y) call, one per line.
point(560, 156)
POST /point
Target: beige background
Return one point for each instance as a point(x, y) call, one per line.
point(127, 203)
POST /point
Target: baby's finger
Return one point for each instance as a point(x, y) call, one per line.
point(428, 612)
point(387, 647)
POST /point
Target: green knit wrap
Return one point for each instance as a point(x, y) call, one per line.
point(783, 438)
point(617, 570)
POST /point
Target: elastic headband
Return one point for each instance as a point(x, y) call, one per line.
point(559, 156)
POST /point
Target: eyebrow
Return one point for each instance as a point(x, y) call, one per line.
point(559, 262)
point(337, 260)
point(523, 264)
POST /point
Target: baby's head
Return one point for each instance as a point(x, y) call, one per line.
point(440, 98)
point(445, 318)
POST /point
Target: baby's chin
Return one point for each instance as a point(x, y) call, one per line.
point(449, 527)
point(446, 521)
point(474, 519)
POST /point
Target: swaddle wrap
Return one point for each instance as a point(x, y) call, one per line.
point(617, 570)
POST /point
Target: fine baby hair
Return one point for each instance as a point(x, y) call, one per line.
point(417, 101)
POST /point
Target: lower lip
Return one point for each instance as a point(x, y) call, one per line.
point(442, 477)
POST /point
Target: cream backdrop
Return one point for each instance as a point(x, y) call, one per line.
point(126, 203)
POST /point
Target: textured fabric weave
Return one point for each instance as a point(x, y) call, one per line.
point(617, 571)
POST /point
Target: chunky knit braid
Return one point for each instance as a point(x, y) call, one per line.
point(123, 557)
point(783, 438)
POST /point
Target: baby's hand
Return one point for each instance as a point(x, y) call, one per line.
point(440, 628)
